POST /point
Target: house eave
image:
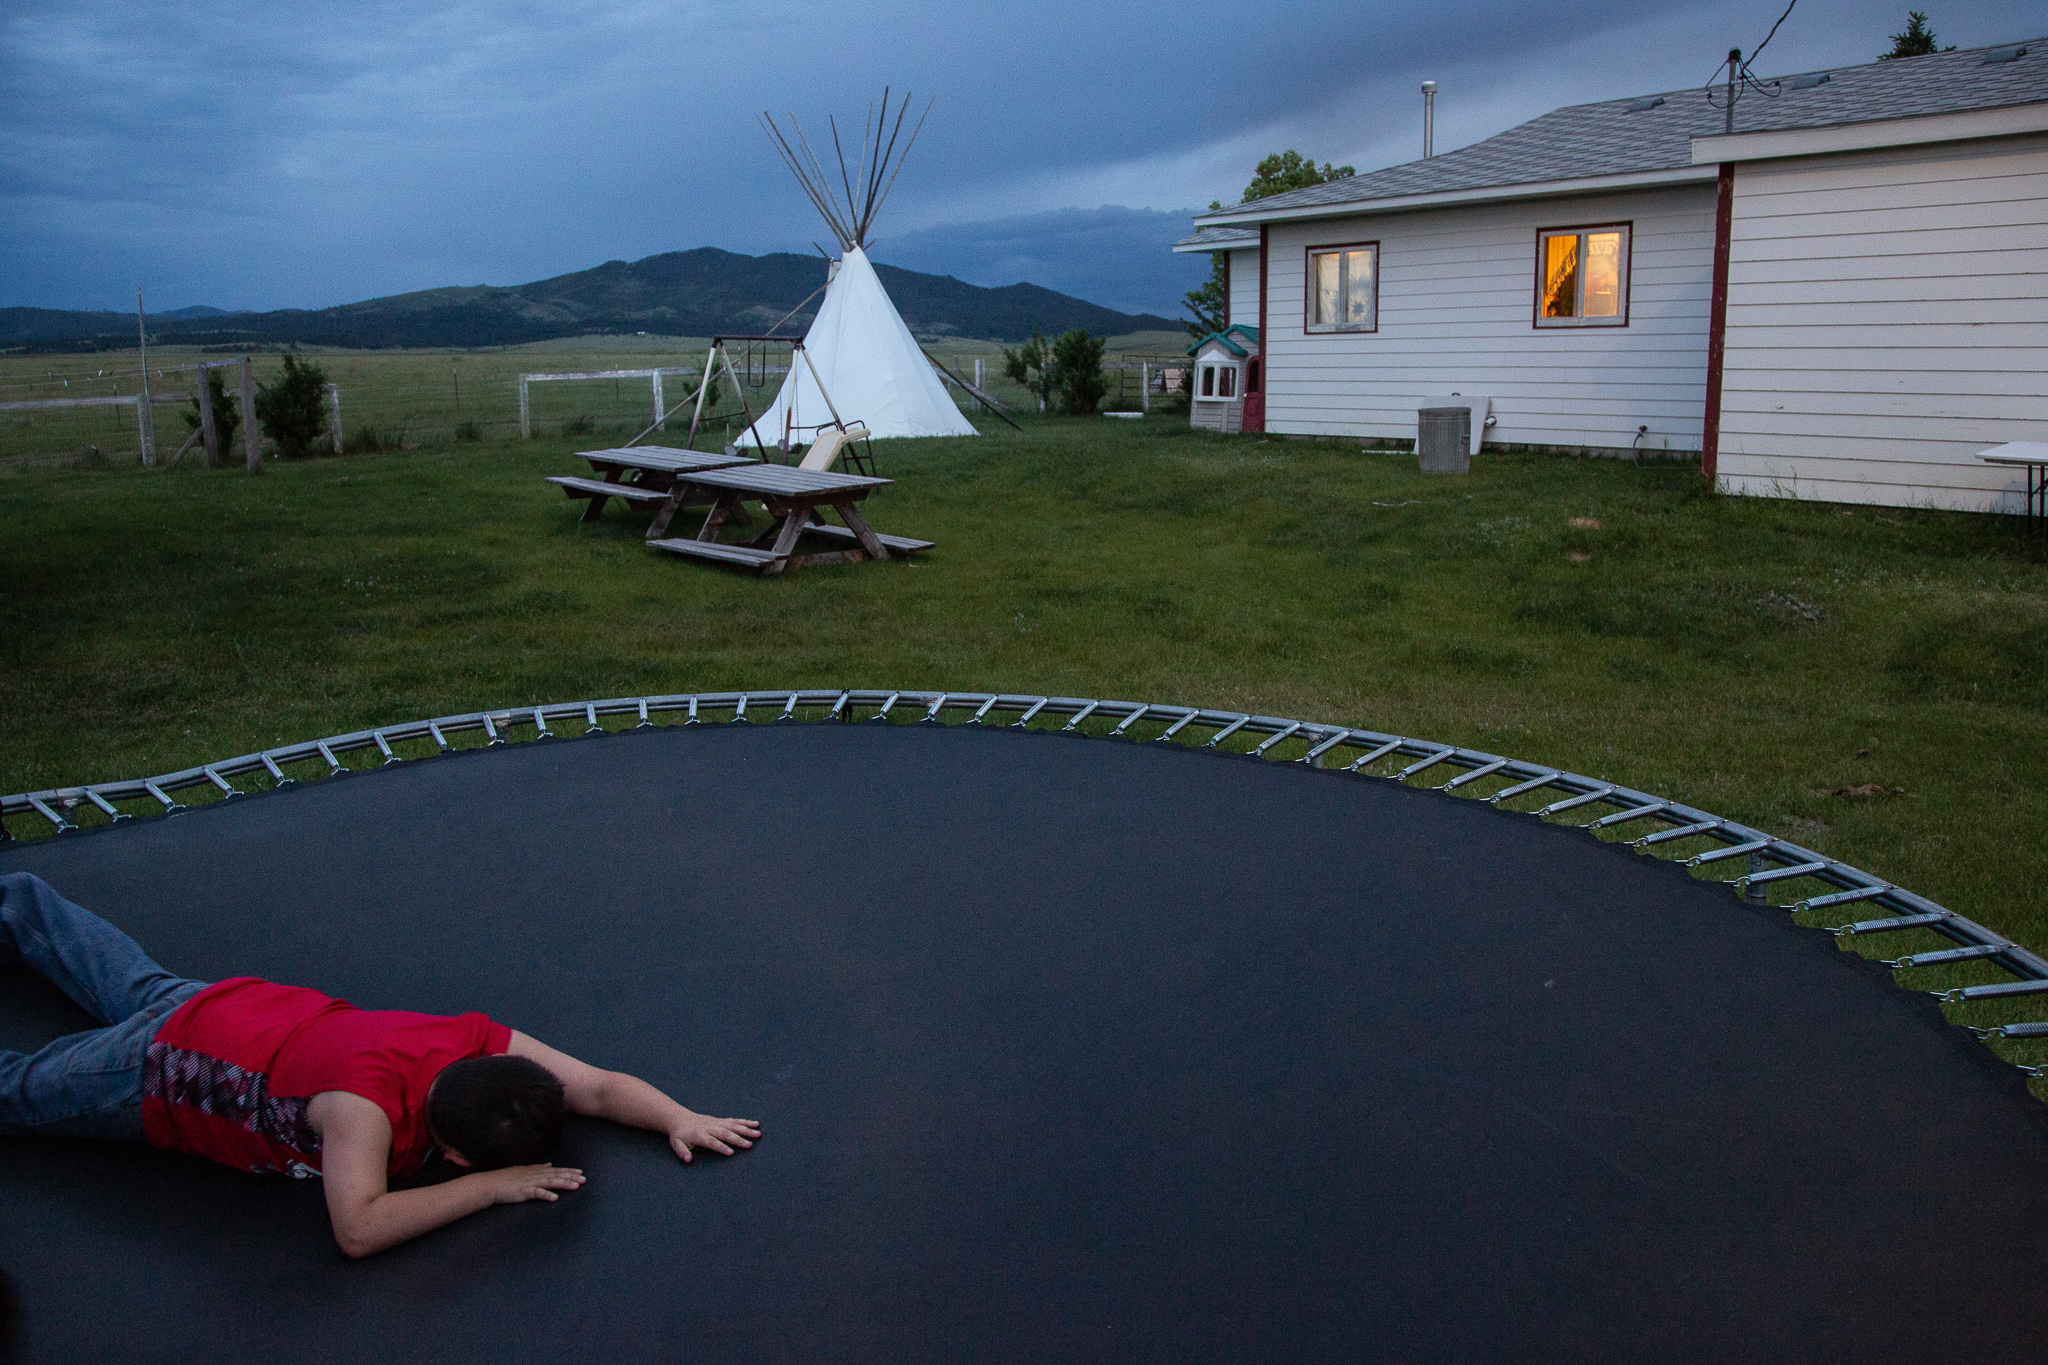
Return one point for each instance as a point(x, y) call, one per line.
point(1211, 248)
point(2007, 121)
point(1494, 194)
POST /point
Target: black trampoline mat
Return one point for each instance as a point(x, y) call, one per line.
point(1065, 1049)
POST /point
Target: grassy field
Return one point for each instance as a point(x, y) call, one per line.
point(413, 398)
point(1872, 683)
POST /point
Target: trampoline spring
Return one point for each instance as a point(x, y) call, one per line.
point(1422, 764)
point(1272, 739)
point(1957, 995)
point(1314, 757)
point(1733, 850)
point(491, 736)
point(1132, 719)
point(788, 709)
point(1483, 770)
point(981, 711)
point(883, 715)
point(1075, 722)
point(57, 818)
point(590, 715)
point(540, 724)
point(931, 713)
point(277, 774)
point(1227, 731)
point(385, 749)
point(1177, 727)
point(1665, 836)
point(227, 789)
point(1779, 874)
point(1861, 893)
point(739, 711)
point(1366, 760)
point(1884, 926)
point(2030, 1030)
point(1029, 712)
point(692, 718)
point(106, 806)
point(1532, 784)
point(1574, 802)
point(838, 711)
point(646, 722)
point(1975, 950)
point(170, 807)
point(1622, 817)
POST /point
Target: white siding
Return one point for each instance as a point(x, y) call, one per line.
point(1887, 319)
point(1456, 314)
point(1244, 287)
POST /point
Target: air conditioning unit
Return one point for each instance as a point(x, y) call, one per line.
point(1443, 440)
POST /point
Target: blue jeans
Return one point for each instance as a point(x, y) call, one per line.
point(85, 1084)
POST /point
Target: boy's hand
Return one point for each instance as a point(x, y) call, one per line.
point(518, 1184)
point(713, 1135)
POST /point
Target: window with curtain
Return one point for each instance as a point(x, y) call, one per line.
point(1343, 288)
point(1582, 276)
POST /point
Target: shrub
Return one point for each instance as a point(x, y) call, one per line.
point(1077, 361)
point(367, 440)
point(293, 411)
point(1032, 366)
point(227, 413)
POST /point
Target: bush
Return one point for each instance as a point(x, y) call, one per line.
point(367, 440)
point(293, 411)
point(227, 413)
point(1077, 361)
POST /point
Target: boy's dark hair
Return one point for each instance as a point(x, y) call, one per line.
point(497, 1111)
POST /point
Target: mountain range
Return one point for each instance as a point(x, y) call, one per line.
point(677, 293)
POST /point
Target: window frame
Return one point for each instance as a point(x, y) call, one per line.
point(1217, 373)
point(1627, 229)
point(1308, 289)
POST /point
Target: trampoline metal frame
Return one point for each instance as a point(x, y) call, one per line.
point(1767, 858)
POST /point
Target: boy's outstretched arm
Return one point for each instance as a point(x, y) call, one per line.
point(355, 1149)
point(629, 1100)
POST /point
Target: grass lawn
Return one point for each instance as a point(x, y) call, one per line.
point(1757, 658)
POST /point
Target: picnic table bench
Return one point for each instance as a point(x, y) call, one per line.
point(640, 475)
point(796, 499)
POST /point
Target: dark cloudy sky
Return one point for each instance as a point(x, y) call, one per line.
point(268, 154)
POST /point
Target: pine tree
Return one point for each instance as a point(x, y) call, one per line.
point(1917, 41)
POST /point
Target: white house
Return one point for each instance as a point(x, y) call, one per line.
point(1845, 298)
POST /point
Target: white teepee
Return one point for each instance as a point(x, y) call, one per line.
point(872, 368)
point(874, 373)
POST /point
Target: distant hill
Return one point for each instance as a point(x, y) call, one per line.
point(678, 293)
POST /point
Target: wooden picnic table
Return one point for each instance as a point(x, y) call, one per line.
point(795, 498)
point(640, 475)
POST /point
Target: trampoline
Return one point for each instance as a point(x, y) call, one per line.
point(1065, 1048)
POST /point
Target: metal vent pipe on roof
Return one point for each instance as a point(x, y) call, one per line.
point(1428, 116)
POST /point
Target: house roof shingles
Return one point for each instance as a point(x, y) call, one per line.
point(1610, 137)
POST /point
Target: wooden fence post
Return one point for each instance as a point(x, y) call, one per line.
point(252, 440)
point(1145, 385)
point(334, 416)
point(660, 413)
point(525, 413)
point(206, 429)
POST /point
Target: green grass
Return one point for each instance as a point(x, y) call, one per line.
point(1747, 656)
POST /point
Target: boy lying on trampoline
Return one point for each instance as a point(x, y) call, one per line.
point(265, 1077)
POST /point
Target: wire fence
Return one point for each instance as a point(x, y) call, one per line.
point(406, 399)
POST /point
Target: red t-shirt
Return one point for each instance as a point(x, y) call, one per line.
point(229, 1075)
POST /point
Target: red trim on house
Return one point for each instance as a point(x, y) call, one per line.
point(1717, 321)
point(1226, 287)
